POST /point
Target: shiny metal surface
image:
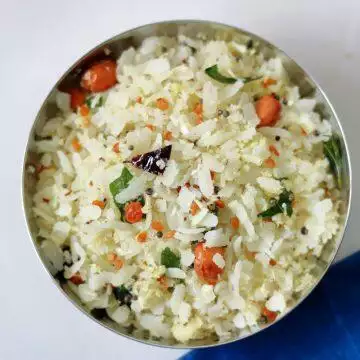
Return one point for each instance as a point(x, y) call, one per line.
point(307, 86)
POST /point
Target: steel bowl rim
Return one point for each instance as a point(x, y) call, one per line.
point(253, 36)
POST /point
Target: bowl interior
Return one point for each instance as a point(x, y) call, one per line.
point(134, 38)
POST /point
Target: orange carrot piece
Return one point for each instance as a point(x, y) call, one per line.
point(269, 163)
point(84, 110)
point(274, 150)
point(194, 208)
point(133, 212)
point(142, 237)
point(204, 265)
point(234, 222)
point(270, 315)
point(170, 234)
point(77, 279)
point(111, 256)
point(157, 225)
point(86, 122)
point(168, 135)
point(99, 203)
point(100, 76)
point(138, 100)
point(77, 98)
point(272, 262)
point(268, 81)
point(250, 255)
point(198, 109)
point(268, 110)
point(163, 282)
point(76, 144)
point(118, 264)
point(162, 104)
point(220, 204)
point(115, 148)
point(199, 119)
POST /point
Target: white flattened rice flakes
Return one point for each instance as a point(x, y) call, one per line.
point(216, 236)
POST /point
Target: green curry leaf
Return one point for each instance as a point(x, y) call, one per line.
point(213, 72)
point(170, 259)
point(332, 150)
point(119, 184)
point(282, 205)
point(90, 102)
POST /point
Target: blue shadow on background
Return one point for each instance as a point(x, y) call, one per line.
point(325, 326)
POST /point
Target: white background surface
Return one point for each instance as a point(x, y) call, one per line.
point(39, 40)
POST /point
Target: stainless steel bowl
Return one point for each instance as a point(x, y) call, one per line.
point(307, 86)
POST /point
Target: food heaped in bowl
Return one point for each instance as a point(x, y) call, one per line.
point(185, 191)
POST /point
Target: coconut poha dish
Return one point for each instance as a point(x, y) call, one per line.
point(185, 189)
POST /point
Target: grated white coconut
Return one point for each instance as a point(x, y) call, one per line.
point(222, 156)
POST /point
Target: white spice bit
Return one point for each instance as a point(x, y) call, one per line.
point(177, 297)
point(184, 333)
point(215, 238)
point(209, 220)
point(187, 257)
point(170, 173)
point(210, 97)
point(160, 205)
point(61, 230)
point(219, 261)
point(64, 209)
point(63, 101)
point(135, 188)
point(241, 213)
point(175, 273)
point(269, 185)
point(65, 163)
point(91, 212)
point(207, 293)
point(239, 321)
point(155, 324)
point(190, 230)
point(31, 169)
point(205, 183)
point(261, 293)
point(276, 302)
point(184, 312)
point(212, 163)
point(161, 164)
point(199, 216)
point(120, 315)
point(185, 199)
